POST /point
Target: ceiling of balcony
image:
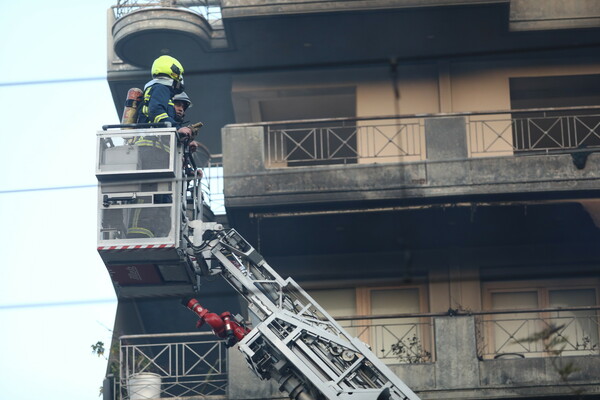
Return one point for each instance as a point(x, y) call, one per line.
point(315, 38)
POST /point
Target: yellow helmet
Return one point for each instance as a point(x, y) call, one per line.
point(167, 66)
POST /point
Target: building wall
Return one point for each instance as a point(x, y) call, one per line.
point(453, 86)
point(408, 89)
point(483, 86)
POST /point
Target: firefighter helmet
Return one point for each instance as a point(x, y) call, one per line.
point(167, 66)
point(184, 98)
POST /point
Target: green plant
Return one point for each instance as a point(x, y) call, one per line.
point(410, 350)
point(99, 350)
point(113, 357)
point(137, 362)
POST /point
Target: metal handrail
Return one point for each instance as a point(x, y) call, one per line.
point(212, 184)
point(541, 335)
point(187, 364)
point(412, 116)
point(369, 139)
point(461, 312)
point(209, 9)
point(415, 337)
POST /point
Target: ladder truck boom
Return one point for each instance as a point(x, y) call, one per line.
point(294, 340)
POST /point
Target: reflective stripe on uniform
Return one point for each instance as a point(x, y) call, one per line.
point(145, 103)
point(160, 117)
point(140, 231)
point(142, 142)
point(134, 229)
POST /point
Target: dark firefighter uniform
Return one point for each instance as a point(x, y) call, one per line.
point(154, 151)
point(157, 106)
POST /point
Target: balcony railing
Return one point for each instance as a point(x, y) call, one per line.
point(188, 364)
point(395, 339)
point(409, 338)
point(212, 184)
point(195, 364)
point(538, 333)
point(403, 138)
point(344, 143)
point(542, 133)
point(209, 9)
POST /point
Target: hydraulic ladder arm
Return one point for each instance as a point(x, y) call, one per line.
point(294, 340)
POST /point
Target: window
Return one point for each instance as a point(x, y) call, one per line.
point(393, 339)
point(512, 333)
point(398, 338)
point(338, 303)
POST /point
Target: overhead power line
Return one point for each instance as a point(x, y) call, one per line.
point(52, 81)
point(47, 189)
point(57, 304)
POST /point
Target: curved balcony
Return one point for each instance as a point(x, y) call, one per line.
point(144, 34)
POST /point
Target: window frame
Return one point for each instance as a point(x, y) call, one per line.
point(363, 308)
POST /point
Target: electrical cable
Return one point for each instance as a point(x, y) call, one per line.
point(52, 81)
point(56, 304)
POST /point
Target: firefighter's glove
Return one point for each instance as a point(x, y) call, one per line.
point(193, 146)
point(230, 341)
point(185, 134)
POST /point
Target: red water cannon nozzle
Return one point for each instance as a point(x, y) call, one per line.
point(224, 325)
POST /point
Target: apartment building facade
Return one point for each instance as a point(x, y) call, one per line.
point(427, 170)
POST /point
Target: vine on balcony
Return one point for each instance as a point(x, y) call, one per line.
point(410, 351)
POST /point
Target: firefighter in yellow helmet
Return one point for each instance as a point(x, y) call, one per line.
point(157, 106)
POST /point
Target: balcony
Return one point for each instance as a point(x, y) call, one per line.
point(143, 28)
point(185, 365)
point(414, 157)
point(509, 353)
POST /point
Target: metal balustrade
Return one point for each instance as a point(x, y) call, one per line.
point(538, 333)
point(505, 135)
point(401, 339)
point(409, 338)
point(388, 139)
point(212, 184)
point(189, 364)
point(209, 9)
point(195, 364)
point(344, 144)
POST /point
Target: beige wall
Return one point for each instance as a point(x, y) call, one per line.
point(423, 88)
point(484, 86)
point(417, 89)
point(417, 85)
point(456, 288)
point(394, 140)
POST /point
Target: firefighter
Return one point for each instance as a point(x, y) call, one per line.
point(158, 106)
point(181, 102)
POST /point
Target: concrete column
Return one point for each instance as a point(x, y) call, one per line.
point(243, 149)
point(446, 138)
point(456, 353)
